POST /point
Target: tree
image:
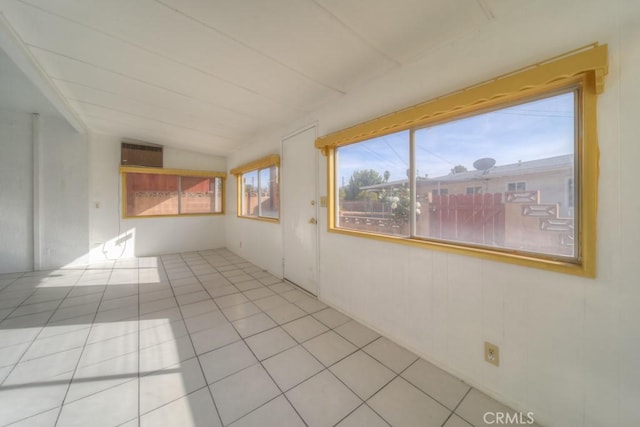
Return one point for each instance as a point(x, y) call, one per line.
point(359, 179)
point(387, 174)
point(458, 169)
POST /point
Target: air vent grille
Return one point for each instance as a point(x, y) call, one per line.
point(141, 155)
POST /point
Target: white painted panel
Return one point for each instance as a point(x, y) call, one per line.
point(410, 28)
point(16, 196)
point(149, 129)
point(163, 113)
point(299, 210)
point(64, 194)
point(63, 69)
point(145, 23)
point(296, 33)
point(51, 33)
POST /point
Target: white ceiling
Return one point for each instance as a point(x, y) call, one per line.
point(206, 75)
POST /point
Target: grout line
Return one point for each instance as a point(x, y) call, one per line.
point(195, 352)
point(66, 393)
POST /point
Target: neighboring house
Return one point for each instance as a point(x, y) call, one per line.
point(552, 177)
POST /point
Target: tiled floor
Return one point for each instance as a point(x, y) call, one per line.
point(205, 339)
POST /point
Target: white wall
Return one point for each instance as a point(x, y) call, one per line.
point(569, 345)
point(258, 241)
point(63, 232)
point(112, 237)
point(63, 194)
point(16, 192)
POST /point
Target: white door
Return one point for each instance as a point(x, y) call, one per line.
point(300, 208)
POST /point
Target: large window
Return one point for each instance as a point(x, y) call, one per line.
point(259, 189)
point(151, 192)
point(483, 171)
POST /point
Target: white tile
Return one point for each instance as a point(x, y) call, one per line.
point(56, 344)
point(227, 360)
point(241, 311)
point(443, 387)
point(247, 285)
point(268, 343)
point(294, 295)
point(231, 300)
point(162, 333)
point(277, 412)
point(305, 328)
point(285, 313)
point(456, 421)
point(281, 287)
point(31, 399)
point(118, 314)
point(105, 331)
point(362, 374)
point(329, 347)
point(166, 385)
point(331, 317)
point(195, 410)
point(476, 404)
point(363, 416)
point(401, 404)
point(310, 305)
point(43, 369)
point(158, 305)
point(390, 354)
point(358, 334)
point(259, 293)
point(291, 367)
point(322, 400)
point(270, 302)
point(107, 408)
point(210, 339)
point(219, 291)
point(47, 418)
point(10, 355)
point(253, 324)
point(205, 321)
point(165, 354)
point(91, 379)
point(196, 308)
point(36, 308)
point(243, 392)
point(190, 298)
point(111, 304)
point(72, 312)
point(107, 349)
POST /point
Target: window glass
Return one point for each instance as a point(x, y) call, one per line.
point(150, 194)
point(373, 179)
point(250, 201)
point(477, 157)
point(197, 195)
point(269, 202)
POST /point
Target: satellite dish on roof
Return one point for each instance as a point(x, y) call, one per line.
point(484, 164)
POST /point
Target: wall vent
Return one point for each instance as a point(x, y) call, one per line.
point(137, 153)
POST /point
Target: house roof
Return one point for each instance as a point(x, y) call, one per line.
point(548, 164)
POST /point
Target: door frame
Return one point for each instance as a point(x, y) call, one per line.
point(316, 258)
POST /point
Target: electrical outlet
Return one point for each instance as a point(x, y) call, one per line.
point(491, 353)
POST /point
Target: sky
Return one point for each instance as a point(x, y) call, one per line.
point(530, 131)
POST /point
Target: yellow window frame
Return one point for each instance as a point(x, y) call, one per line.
point(583, 68)
point(256, 165)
